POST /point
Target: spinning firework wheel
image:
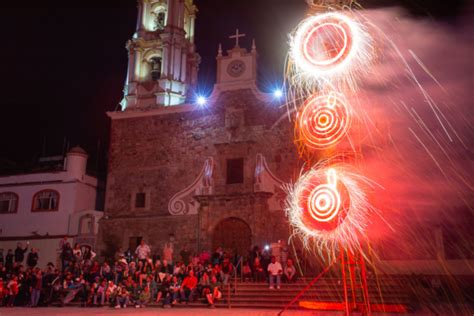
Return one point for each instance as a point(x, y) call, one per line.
point(323, 121)
point(327, 205)
point(324, 43)
point(324, 201)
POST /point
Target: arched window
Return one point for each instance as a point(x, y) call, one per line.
point(160, 20)
point(46, 200)
point(8, 202)
point(155, 67)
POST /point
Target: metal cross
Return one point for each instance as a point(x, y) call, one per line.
point(236, 36)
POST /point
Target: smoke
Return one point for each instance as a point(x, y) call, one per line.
point(414, 122)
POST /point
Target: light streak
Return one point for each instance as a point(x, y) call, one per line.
point(323, 120)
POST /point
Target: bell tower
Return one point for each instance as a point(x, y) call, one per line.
point(162, 58)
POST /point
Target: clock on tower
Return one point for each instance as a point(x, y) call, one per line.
point(238, 68)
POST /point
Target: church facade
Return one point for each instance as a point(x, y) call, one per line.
point(208, 173)
point(203, 175)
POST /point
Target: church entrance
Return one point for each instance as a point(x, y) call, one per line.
point(232, 234)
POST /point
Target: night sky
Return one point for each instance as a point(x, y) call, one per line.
point(64, 63)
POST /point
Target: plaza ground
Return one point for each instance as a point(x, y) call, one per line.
point(76, 311)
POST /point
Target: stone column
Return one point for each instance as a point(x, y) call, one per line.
point(131, 63)
point(139, 26)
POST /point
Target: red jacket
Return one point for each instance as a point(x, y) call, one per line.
point(190, 282)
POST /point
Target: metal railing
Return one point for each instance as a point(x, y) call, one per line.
point(234, 274)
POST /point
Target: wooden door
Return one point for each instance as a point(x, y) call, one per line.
point(232, 234)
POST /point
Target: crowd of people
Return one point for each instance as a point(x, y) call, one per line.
point(134, 277)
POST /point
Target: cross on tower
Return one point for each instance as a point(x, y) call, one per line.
point(236, 36)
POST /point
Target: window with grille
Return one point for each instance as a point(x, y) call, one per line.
point(8, 202)
point(47, 200)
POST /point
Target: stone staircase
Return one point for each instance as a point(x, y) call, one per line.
point(326, 290)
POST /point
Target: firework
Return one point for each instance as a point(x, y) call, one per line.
point(328, 48)
point(323, 120)
point(327, 205)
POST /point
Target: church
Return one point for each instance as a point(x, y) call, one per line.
point(200, 173)
point(207, 172)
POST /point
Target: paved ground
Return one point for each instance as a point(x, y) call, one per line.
point(77, 311)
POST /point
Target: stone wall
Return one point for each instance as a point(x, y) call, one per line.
point(163, 154)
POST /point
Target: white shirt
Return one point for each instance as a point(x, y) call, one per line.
point(143, 251)
point(274, 268)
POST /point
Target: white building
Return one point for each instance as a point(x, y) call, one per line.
point(42, 208)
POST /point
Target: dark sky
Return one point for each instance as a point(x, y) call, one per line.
point(64, 63)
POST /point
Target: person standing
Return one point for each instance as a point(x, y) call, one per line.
point(67, 256)
point(20, 252)
point(9, 260)
point(185, 254)
point(275, 249)
point(13, 289)
point(283, 252)
point(168, 253)
point(77, 253)
point(32, 258)
point(143, 251)
point(36, 287)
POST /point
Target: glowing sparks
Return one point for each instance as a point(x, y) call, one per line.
point(328, 206)
point(323, 121)
point(330, 47)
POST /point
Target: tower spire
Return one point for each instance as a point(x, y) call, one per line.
point(162, 63)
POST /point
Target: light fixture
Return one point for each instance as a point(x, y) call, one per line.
point(278, 93)
point(201, 100)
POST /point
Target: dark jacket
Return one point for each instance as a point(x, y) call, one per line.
point(20, 254)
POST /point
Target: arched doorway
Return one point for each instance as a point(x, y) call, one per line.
point(232, 234)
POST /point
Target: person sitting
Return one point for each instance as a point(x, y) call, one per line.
point(290, 271)
point(175, 289)
point(204, 283)
point(258, 273)
point(164, 291)
point(72, 289)
point(121, 296)
point(92, 293)
point(274, 272)
point(110, 292)
point(100, 293)
point(143, 298)
point(189, 287)
point(246, 271)
point(213, 292)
